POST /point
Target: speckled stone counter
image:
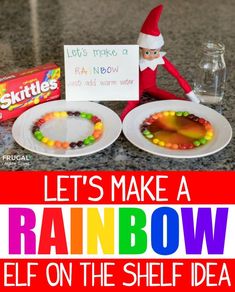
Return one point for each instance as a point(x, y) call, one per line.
point(33, 32)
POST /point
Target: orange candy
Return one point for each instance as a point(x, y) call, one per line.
point(58, 144)
point(208, 127)
point(168, 145)
point(47, 117)
point(97, 133)
point(65, 145)
point(159, 115)
point(175, 146)
point(155, 116)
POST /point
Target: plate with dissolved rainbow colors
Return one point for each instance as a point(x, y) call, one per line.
point(218, 131)
point(75, 123)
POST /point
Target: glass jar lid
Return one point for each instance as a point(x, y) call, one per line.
point(213, 48)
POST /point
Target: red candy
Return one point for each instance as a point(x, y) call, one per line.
point(190, 146)
point(183, 146)
point(38, 123)
point(95, 119)
point(186, 146)
point(42, 121)
point(202, 121)
point(149, 121)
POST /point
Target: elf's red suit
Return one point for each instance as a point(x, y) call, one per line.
point(150, 41)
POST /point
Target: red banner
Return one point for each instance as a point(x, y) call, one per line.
point(137, 275)
point(117, 187)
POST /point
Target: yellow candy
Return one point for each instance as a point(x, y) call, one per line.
point(36, 100)
point(56, 114)
point(166, 114)
point(98, 126)
point(172, 114)
point(156, 141)
point(44, 140)
point(50, 143)
point(161, 143)
point(63, 114)
point(207, 137)
point(209, 133)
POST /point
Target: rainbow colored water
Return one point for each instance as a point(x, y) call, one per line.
point(177, 130)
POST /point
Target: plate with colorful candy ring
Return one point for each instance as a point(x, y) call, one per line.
point(67, 129)
point(177, 129)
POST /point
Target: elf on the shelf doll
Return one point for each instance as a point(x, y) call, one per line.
point(151, 41)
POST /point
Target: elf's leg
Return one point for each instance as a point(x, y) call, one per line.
point(161, 94)
point(130, 106)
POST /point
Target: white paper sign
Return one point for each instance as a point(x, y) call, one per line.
point(101, 72)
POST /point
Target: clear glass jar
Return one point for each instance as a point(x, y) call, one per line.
point(210, 77)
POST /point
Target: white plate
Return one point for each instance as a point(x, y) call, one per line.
point(222, 128)
point(22, 128)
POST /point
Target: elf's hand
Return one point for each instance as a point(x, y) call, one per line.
point(192, 96)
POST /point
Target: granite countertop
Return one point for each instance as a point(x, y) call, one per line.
point(33, 32)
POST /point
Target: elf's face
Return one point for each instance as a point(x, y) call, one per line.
point(149, 54)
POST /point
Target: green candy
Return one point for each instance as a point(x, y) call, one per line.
point(89, 116)
point(39, 136)
point(185, 114)
point(83, 115)
point(203, 141)
point(146, 132)
point(86, 141)
point(36, 133)
point(91, 139)
point(149, 136)
point(196, 143)
point(179, 114)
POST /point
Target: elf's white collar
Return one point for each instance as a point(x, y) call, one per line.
point(152, 64)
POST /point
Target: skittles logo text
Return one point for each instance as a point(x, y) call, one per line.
point(27, 91)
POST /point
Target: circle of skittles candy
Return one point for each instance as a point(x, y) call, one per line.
point(91, 139)
point(177, 130)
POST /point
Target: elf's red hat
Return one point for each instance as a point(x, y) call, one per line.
point(150, 36)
